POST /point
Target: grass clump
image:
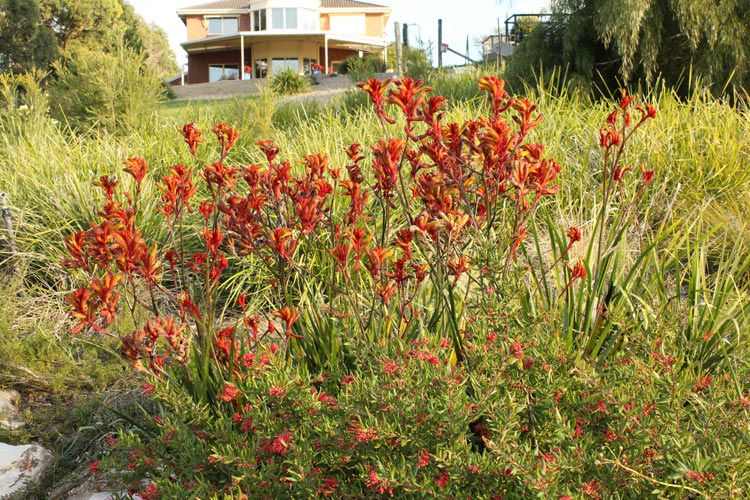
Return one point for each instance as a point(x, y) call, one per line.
point(288, 82)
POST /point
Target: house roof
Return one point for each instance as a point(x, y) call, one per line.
point(347, 4)
point(222, 4)
point(324, 4)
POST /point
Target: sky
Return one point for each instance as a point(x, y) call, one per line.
point(461, 18)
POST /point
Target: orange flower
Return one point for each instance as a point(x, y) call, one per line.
point(387, 156)
point(579, 271)
point(227, 136)
point(574, 235)
point(289, 316)
point(498, 96)
point(376, 89)
point(136, 167)
point(281, 241)
point(376, 256)
point(459, 266)
point(192, 135)
point(269, 148)
point(83, 311)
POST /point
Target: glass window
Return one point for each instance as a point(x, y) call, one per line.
point(214, 26)
point(291, 18)
point(231, 25)
point(277, 19)
point(217, 72)
point(279, 65)
point(223, 25)
point(259, 20)
point(309, 19)
point(311, 66)
point(261, 68)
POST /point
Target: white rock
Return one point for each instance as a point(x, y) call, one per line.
point(105, 495)
point(8, 410)
point(20, 465)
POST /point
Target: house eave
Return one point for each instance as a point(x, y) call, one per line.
point(232, 42)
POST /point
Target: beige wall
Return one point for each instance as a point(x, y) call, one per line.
point(375, 24)
point(325, 22)
point(197, 27)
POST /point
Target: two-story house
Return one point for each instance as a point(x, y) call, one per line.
point(240, 39)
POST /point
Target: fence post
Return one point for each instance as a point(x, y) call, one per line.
point(9, 242)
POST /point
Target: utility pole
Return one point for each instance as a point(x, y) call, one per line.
point(440, 43)
point(399, 65)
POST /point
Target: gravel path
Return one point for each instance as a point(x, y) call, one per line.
point(327, 88)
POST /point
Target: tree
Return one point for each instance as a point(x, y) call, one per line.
point(94, 21)
point(114, 90)
point(104, 25)
point(626, 41)
point(25, 43)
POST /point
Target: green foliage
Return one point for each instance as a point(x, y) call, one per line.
point(113, 90)
point(289, 115)
point(25, 43)
point(23, 101)
point(361, 68)
point(417, 62)
point(34, 358)
point(96, 23)
point(540, 425)
point(288, 82)
point(687, 43)
point(150, 39)
point(36, 33)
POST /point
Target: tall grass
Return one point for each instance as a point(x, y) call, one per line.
point(698, 149)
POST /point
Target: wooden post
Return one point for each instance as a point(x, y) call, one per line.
point(440, 43)
point(10, 238)
point(399, 61)
point(242, 57)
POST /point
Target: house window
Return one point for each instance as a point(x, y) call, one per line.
point(259, 20)
point(261, 68)
point(310, 65)
point(283, 19)
point(217, 72)
point(291, 18)
point(223, 25)
point(282, 64)
point(308, 19)
point(277, 19)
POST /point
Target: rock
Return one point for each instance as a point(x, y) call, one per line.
point(8, 410)
point(20, 465)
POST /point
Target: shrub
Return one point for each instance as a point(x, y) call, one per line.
point(365, 66)
point(113, 90)
point(288, 82)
